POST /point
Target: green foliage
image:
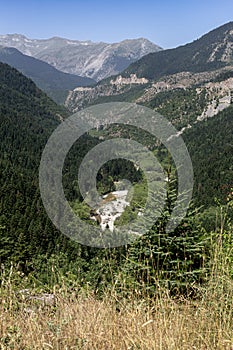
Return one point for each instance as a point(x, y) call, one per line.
point(180, 106)
point(210, 146)
point(223, 76)
point(130, 94)
point(138, 193)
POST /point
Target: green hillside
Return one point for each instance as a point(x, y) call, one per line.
point(210, 144)
point(54, 82)
point(28, 117)
point(193, 57)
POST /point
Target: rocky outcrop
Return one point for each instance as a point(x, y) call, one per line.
point(220, 95)
point(83, 96)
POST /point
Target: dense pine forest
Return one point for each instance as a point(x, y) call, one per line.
point(29, 239)
point(178, 265)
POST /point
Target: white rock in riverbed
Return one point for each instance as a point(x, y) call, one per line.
point(111, 209)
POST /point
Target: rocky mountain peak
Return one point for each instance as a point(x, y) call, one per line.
point(84, 58)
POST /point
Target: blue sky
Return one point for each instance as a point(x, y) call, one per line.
point(168, 23)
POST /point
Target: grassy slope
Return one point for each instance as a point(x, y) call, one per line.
point(78, 319)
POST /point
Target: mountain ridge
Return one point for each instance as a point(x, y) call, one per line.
point(85, 58)
point(54, 82)
point(211, 51)
point(190, 64)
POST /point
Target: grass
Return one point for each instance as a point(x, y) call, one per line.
point(80, 320)
point(77, 318)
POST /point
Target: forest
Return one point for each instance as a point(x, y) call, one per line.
point(34, 255)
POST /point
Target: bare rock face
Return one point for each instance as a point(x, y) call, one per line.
point(222, 51)
point(34, 302)
point(220, 97)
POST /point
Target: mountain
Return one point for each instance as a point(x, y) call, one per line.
point(84, 58)
point(36, 254)
point(27, 118)
point(210, 144)
point(192, 64)
point(199, 105)
point(196, 96)
point(210, 85)
point(213, 50)
point(54, 82)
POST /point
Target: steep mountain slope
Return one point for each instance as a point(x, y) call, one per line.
point(85, 58)
point(27, 117)
point(162, 91)
point(211, 51)
point(54, 82)
point(199, 105)
point(210, 144)
point(181, 68)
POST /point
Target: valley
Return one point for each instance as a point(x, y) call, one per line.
point(112, 206)
point(141, 293)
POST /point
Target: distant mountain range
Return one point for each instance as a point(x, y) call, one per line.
point(54, 82)
point(84, 58)
point(183, 67)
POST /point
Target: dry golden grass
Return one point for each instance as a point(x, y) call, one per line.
point(81, 321)
point(78, 319)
